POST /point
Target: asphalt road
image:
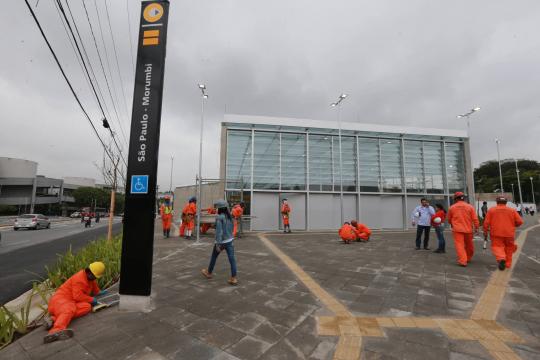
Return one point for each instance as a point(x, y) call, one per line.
point(25, 253)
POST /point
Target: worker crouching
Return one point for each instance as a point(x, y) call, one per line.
point(501, 222)
point(362, 232)
point(347, 233)
point(73, 299)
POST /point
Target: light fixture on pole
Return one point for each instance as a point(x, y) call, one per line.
point(204, 96)
point(467, 115)
point(336, 105)
point(519, 183)
point(532, 190)
point(498, 142)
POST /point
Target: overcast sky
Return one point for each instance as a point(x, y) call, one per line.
point(417, 63)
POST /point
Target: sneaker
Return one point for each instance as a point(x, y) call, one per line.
point(502, 265)
point(426, 248)
point(60, 335)
point(206, 274)
point(48, 322)
point(417, 248)
point(438, 251)
point(462, 265)
point(233, 280)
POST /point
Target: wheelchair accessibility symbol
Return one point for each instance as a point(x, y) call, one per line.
point(139, 184)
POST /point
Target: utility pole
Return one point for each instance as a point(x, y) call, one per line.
point(519, 184)
point(113, 196)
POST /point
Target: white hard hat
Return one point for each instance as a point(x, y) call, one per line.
point(437, 220)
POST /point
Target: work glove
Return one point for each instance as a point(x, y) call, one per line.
point(94, 302)
point(102, 292)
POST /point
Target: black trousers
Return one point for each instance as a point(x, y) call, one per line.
point(425, 230)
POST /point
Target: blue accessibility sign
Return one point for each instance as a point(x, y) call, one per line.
point(139, 184)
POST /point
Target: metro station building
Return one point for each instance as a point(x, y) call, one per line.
point(386, 170)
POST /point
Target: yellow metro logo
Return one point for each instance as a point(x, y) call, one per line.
point(153, 12)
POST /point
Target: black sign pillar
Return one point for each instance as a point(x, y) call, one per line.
point(139, 214)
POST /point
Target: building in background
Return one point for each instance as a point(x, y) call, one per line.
point(386, 170)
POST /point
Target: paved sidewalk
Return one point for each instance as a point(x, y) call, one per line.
point(392, 302)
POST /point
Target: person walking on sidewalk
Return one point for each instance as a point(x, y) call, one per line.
point(501, 222)
point(421, 218)
point(464, 221)
point(166, 213)
point(237, 212)
point(73, 299)
point(437, 221)
point(188, 218)
point(224, 241)
point(285, 213)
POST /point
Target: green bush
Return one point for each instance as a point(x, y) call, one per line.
point(102, 250)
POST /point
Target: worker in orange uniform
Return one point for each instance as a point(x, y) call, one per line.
point(237, 212)
point(73, 299)
point(362, 231)
point(206, 226)
point(188, 218)
point(464, 221)
point(166, 213)
point(501, 222)
point(285, 214)
point(347, 233)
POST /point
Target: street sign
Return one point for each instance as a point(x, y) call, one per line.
point(139, 184)
point(139, 214)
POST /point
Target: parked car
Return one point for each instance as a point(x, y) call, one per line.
point(75, 214)
point(31, 221)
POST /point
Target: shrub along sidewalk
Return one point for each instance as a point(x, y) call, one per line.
point(23, 314)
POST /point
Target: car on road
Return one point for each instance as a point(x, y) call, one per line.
point(75, 214)
point(32, 222)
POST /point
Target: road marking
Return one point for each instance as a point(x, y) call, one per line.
point(531, 258)
point(481, 327)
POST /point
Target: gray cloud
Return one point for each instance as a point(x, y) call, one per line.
point(417, 63)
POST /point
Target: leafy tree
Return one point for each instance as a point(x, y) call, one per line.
point(86, 196)
point(486, 178)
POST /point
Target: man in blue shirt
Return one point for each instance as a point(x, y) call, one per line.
point(421, 218)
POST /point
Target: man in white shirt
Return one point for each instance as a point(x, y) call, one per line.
point(421, 218)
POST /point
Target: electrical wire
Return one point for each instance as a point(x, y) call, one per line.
point(130, 37)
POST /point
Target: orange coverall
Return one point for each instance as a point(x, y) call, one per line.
point(362, 232)
point(236, 213)
point(188, 217)
point(71, 300)
point(501, 222)
point(166, 217)
point(285, 211)
point(205, 227)
point(347, 233)
point(464, 220)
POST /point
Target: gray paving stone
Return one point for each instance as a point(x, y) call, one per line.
point(14, 351)
point(72, 352)
point(469, 348)
point(249, 348)
point(271, 333)
point(324, 350)
point(247, 322)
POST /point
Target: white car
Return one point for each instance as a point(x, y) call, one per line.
point(75, 214)
point(31, 221)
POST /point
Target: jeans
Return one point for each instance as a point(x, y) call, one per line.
point(425, 230)
point(440, 236)
point(229, 247)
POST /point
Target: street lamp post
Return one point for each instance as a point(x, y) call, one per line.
point(204, 96)
point(336, 105)
point(513, 196)
point(519, 184)
point(532, 190)
point(498, 141)
point(467, 115)
point(170, 182)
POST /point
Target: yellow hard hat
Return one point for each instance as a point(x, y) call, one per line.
point(97, 268)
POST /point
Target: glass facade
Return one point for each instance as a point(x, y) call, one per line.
point(308, 160)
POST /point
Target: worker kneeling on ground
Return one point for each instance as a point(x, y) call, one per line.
point(362, 231)
point(72, 300)
point(501, 222)
point(347, 233)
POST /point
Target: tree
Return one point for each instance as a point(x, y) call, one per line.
point(87, 196)
point(487, 180)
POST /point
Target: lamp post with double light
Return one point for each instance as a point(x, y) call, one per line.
point(498, 141)
point(204, 96)
point(336, 105)
point(532, 191)
point(467, 115)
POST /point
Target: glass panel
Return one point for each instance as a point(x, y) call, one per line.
point(455, 167)
point(414, 172)
point(293, 162)
point(348, 163)
point(320, 163)
point(266, 161)
point(391, 165)
point(238, 163)
point(368, 153)
point(433, 163)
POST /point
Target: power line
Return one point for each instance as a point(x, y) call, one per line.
point(66, 78)
point(85, 67)
point(103, 71)
point(129, 37)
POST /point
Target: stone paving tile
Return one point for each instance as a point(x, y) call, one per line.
point(249, 348)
